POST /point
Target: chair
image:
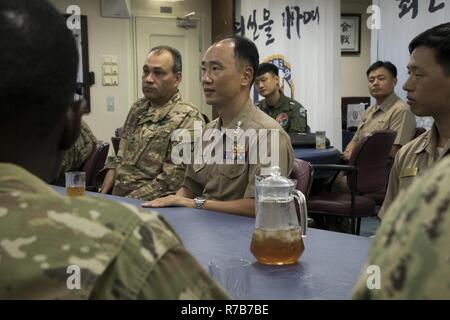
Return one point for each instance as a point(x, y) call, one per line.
point(118, 132)
point(303, 172)
point(367, 178)
point(94, 164)
point(116, 139)
point(115, 143)
point(418, 131)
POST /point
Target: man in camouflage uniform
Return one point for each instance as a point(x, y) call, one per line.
point(428, 89)
point(143, 168)
point(53, 247)
point(75, 157)
point(290, 114)
point(411, 247)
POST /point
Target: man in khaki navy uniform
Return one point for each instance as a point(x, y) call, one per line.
point(228, 74)
point(411, 247)
point(76, 156)
point(428, 92)
point(143, 168)
point(389, 112)
point(51, 246)
point(290, 114)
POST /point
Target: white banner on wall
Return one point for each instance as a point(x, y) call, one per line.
point(401, 21)
point(302, 38)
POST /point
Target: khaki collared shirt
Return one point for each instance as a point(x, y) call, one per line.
point(143, 166)
point(412, 160)
point(237, 181)
point(393, 114)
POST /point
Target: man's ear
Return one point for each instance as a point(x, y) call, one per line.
point(178, 78)
point(72, 122)
point(247, 76)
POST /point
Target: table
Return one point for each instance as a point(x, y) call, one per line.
point(330, 155)
point(328, 268)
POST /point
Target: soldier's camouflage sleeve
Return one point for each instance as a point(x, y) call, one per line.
point(54, 247)
point(74, 158)
point(154, 265)
point(411, 247)
point(297, 119)
point(113, 161)
point(171, 176)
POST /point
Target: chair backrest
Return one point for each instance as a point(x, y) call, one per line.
point(95, 163)
point(418, 131)
point(303, 172)
point(118, 132)
point(370, 157)
point(115, 142)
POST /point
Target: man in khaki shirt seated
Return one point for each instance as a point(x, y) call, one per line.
point(228, 72)
point(389, 112)
point(428, 88)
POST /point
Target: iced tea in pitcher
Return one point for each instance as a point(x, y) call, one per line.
point(277, 247)
point(278, 235)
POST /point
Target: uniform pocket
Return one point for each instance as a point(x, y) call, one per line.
point(151, 144)
point(198, 167)
point(232, 171)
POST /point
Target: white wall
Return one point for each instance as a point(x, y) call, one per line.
point(353, 67)
point(113, 36)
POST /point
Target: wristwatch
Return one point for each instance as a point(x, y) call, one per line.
point(199, 202)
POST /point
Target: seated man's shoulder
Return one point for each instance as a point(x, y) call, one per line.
point(185, 106)
point(401, 106)
point(260, 103)
point(184, 109)
point(412, 147)
point(296, 107)
point(262, 120)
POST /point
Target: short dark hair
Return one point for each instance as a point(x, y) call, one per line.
point(38, 63)
point(245, 50)
point(266, 67)
point(389, 66)
point(437, 38)
point(176, 56)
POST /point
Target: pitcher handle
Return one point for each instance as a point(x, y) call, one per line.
point(300, 198)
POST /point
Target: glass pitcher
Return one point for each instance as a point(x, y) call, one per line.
point(278, 237)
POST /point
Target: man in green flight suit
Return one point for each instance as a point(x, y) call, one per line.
point(290, 114)
point(48, 241)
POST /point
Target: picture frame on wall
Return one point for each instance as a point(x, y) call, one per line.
point(85, 79)
point(350, 33)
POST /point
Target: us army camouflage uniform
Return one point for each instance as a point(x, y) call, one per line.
point(75, 157)
point(411, 246)
point(143, 166)
point(122, 252)
point(290, 114)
